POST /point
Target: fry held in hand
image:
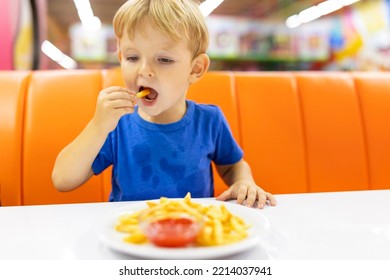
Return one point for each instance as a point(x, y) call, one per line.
point(218, 225)
point(142, 93)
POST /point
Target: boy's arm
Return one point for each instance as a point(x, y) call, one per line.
point(242, 185)
point(73, 165)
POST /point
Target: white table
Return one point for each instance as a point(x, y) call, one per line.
point(340, 225)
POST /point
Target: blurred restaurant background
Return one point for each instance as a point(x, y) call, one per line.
point(245, 35)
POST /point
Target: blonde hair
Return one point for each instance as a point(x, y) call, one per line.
point(177, 18)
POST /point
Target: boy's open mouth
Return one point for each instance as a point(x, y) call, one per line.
point(151, 96)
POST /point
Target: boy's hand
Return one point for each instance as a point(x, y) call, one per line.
point(112, 104)
point(247, 193)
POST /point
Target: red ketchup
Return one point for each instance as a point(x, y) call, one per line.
point(172, 232)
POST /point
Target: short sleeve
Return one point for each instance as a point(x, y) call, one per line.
point(104, 158)
point(227, 150)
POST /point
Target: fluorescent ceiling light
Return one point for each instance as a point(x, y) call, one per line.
point(87, 18)
point(51, 51)
point(208, 6)
point(293, 21)
point(330, 6)
point(82, 5)
point(309, 14)
point(58, 56)
point(84, 14)
point(317, 11)
point(92, 23)
point(348, 2)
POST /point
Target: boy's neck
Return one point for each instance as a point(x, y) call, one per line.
point(166, 117)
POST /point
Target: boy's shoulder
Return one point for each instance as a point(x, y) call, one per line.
point(206, 108)
point(206, 113)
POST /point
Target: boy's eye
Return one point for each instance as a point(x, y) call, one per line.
point(132, 58)
point(165, 60)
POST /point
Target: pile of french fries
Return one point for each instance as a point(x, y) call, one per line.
point(219, 225)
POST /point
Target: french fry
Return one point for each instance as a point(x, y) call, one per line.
point(219, 225)
point(137, 238)
point(142, 93)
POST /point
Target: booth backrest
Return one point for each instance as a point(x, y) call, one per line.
point(374, 93)
point(272, 130)
point(333, 129)
point(300, 131)
point(13, 87)
point(58, 106)
point(316, 132)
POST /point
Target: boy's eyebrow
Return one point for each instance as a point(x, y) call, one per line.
point(124, 48)
point(164, 47)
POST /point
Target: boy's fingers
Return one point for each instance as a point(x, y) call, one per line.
point(114, 96)
point(242, 193)
point(115, 89)
point(251, 197)
point(272, 199)
point(262, 199)
point(226, 195)
point(122, 103)
point(118, 92)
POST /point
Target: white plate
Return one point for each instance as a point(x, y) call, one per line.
point(114, 239)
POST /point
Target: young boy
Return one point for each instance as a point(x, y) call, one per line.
point(160, 144)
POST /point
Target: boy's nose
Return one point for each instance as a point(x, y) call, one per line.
point(145, 70)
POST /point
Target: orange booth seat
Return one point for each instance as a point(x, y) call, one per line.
point(13, 87)
point(300, 131)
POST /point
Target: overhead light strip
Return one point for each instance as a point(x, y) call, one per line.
point(317, 11)
point(57, 55)
point(87, 18)
point(208, 6)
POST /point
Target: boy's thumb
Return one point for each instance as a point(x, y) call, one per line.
point(225, 195)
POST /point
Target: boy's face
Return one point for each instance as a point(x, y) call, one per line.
point(153, 60)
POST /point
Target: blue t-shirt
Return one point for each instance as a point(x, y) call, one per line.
point(153, 160)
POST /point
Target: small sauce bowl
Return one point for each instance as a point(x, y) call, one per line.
point(171, 231)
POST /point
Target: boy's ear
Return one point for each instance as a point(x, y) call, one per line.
point(118, 50)
point(200, 65)
point(119, 53)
